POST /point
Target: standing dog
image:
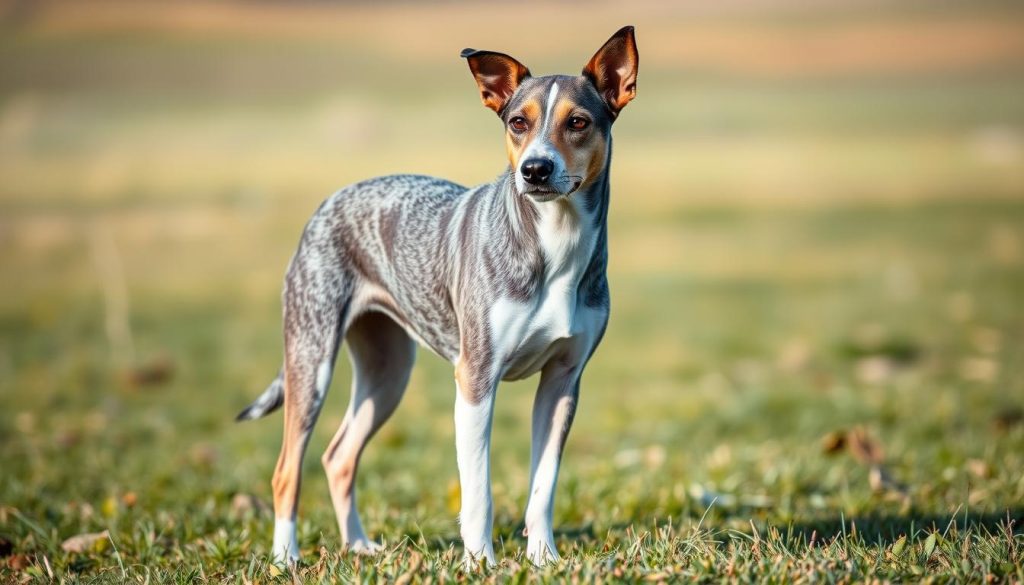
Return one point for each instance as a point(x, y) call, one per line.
point(504, 280)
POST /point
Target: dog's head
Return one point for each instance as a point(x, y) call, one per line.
point(557, 127)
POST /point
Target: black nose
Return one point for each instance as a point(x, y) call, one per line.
point(537, 171)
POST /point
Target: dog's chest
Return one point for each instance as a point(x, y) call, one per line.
point(527, 333)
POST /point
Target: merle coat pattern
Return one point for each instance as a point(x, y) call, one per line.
point(503, 280)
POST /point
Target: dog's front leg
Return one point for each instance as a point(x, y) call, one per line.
point(553, 410)
point(474, 407)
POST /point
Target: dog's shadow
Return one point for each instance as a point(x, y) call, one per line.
point(871, 529)
point(884, 528)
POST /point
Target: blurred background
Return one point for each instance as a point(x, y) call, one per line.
point(816, 247)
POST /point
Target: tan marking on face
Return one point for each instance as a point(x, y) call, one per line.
point(557, 126)
point(597, 154)
point(584, 158)
point(515, 144)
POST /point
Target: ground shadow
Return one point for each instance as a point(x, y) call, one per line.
point(872, 529)
point(885, 528)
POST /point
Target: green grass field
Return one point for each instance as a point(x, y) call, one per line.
point(814, 369)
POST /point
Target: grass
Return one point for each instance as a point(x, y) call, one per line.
point(803, 250)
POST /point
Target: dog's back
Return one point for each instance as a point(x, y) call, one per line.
point(386, 240)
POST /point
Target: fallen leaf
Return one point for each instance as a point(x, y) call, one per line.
point(109, 507)
point(929, 545)
point(897, 547)
point(88, 542)
point(454, 499)
point(979, 468)
point(129, 499)
point(156, 372)
point(18, 562)
point(833, 442)
point(863, 447)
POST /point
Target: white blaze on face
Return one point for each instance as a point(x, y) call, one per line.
point(541, 147)
point(551, 106)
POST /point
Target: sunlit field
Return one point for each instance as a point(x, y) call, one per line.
point(814, 368)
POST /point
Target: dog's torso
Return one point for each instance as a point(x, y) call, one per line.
point(466, 270)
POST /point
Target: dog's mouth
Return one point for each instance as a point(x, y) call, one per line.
point(545, 194)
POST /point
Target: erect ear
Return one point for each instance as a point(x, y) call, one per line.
point(613, 69)
point(497, 75)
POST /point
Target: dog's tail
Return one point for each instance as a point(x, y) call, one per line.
point(268, 402)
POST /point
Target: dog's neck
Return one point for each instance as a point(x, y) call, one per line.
point(563, 232)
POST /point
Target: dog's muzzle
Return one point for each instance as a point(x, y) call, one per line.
point(537, 171)
point(542, 183)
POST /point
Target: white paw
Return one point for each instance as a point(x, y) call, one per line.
point(364, 546)
point(285, 550)
point(541, 551)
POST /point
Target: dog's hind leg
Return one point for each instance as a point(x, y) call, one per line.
point(382, 356)
point(315, 306)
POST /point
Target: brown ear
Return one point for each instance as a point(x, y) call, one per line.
point(613, 69)
point(497, 75)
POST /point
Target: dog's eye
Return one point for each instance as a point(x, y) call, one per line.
point(578, 123)
point(518, 124)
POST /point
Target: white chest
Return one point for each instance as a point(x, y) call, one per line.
point(526, 336)
point(527, 333)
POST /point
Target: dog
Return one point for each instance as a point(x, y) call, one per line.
point(504, 280)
